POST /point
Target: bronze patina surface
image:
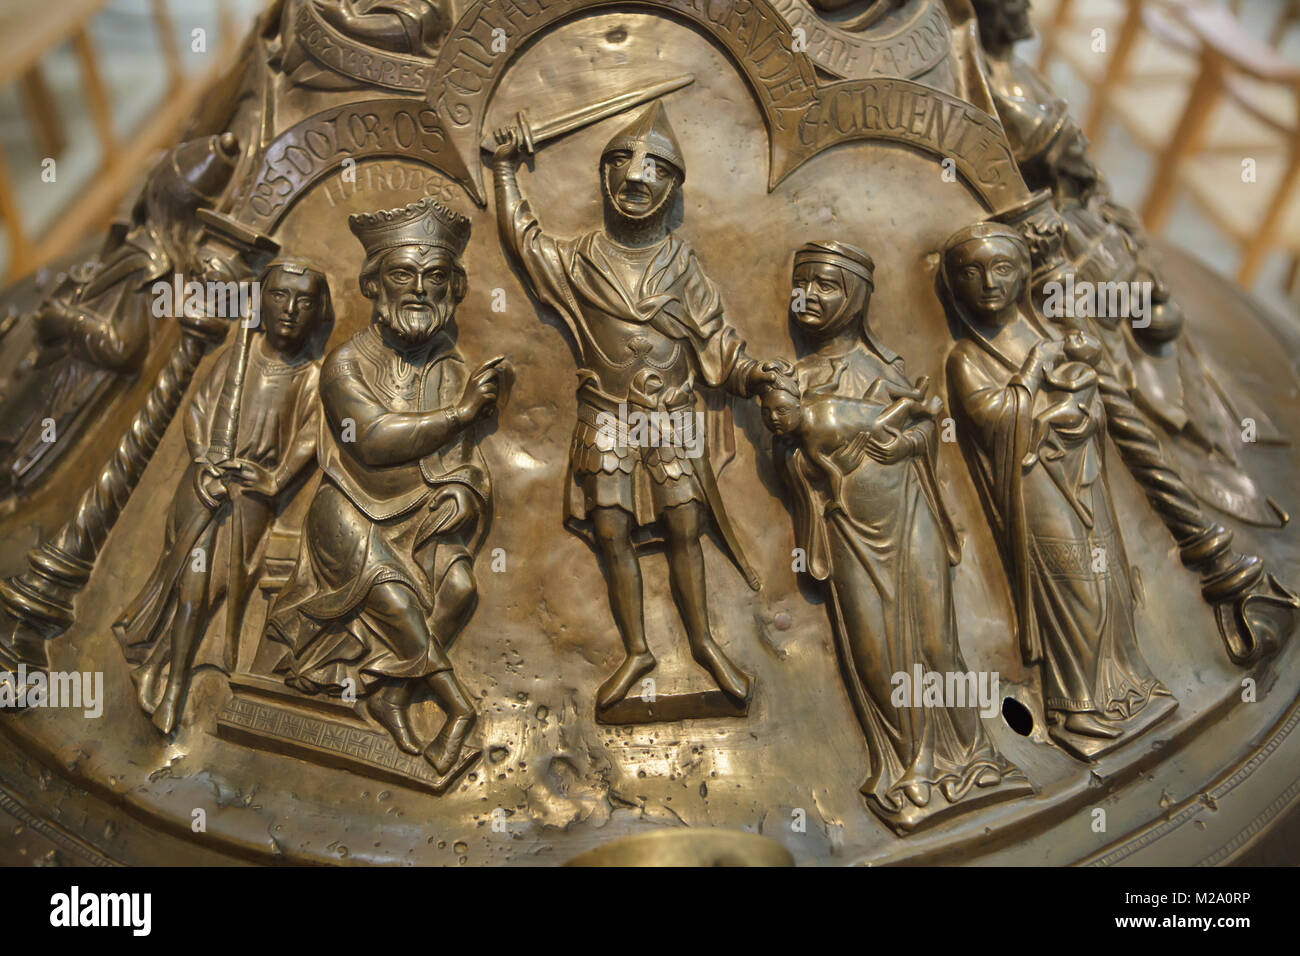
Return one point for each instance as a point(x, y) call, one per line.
point(498, 433)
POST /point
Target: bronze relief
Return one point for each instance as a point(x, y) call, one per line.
point(858, 455)
point(1035, 436)
point(251, 431)
point(648, 322)
point(385, 575)
point(391, 632)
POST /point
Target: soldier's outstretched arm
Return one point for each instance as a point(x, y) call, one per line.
point(726, 364)
point(505, 159)
point(542, 257)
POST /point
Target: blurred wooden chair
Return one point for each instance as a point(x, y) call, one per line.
point(1247, 187)
point(1145, 74)
point(1287, 17)
point(1288, 14)
point(31, 29)
point(1191, 88)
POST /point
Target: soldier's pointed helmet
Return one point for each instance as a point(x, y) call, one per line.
point(650, 134)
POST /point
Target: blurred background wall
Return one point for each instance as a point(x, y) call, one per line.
point(97, 87)
point(1191, 107)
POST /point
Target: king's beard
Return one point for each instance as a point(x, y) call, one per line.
point(414, 326)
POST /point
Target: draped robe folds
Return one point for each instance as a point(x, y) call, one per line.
point(879, 534)
point(277, 429)
point(662, 288)
point(368, 525)
point(1075, 615)
point(70, 381)
point(1172, 382)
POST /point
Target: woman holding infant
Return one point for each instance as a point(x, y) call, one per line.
point(856, 447)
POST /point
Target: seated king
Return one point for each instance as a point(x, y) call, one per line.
point(385, 575)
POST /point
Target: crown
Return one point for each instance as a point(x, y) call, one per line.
point(423, 223)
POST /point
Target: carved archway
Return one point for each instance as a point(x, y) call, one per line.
point(803, 117)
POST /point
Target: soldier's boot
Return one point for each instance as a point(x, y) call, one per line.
point(623, 575)
point(690, 593)
point(731, 680)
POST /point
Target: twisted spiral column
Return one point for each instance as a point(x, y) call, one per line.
point(1229, 578)
point(41, 598)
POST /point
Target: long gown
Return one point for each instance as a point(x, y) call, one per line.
point(881, 537)
point(1056, 524)
point(277, 430)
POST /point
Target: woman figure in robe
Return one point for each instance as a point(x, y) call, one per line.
point(1038, 457)
point(868, 514)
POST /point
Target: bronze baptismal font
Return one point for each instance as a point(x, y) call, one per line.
point(503, 430)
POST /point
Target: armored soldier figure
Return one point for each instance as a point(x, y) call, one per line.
point(385, 579)
point(251, 432)
point(648, 323)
